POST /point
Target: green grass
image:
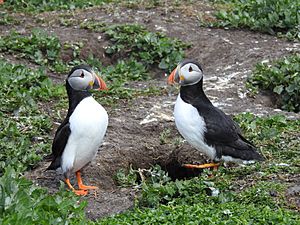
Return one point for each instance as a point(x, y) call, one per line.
point(207, 199)
point(282, 78)
point(22, 202)
point(135, 41)
point(269, 16)
point(6, 19)
point(39, 47)
point(118, 77)
point(148, 47)
point(36, 6)
point(24, 126)
point(141, 49)
point(276, 136)
point(46, 50)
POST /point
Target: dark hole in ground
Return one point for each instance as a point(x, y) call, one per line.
point(175, 170)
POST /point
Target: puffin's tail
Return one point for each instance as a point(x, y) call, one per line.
point(252, 150)
point(54, 164)
point(240, 149)
point(256, 156)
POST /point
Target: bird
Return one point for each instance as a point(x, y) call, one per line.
point(204, 126)
point(81, 133)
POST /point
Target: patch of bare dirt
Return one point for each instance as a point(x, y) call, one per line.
point(293, 195)
point(135, 127)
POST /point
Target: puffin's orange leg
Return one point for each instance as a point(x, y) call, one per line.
point(81, 186)
point(77, 192)
point(202, 166)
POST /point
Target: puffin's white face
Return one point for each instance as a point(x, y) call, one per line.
point(186, 74)
point(189, 74)
point(82, 79)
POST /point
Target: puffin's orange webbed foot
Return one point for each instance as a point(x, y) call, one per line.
point(77, 192)
point(80, 192)
point(202, 166)
point(86, 187)
point(81, 186)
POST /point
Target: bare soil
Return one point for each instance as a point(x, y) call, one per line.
point(135, 126)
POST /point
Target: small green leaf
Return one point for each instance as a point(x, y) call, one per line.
point(278, 89)
point(163, 65)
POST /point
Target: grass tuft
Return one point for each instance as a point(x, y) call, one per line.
point(21, 202)
point(269, 16)
point(24, 126)
point(282, 78)
point(37, 6)
point(150, 48)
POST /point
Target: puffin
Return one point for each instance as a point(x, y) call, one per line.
point(81, 133)
point(204, 126)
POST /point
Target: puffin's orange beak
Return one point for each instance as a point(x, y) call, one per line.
point(171, 78)
point(99, 84)
point(102, 83)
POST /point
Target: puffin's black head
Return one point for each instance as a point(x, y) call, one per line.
point(83, 78)
point(188, 72)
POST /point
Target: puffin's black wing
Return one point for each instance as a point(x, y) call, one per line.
point(225, 136)
point(59, 143)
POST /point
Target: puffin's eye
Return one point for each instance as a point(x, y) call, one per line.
point(82, 75)
point(190, 69)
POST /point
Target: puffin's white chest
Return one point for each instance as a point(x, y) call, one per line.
point(192, 126)
point(88, 124)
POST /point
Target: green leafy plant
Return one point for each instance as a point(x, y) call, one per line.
point(21, 202)
point(201, 200)
point(135, 41)
point(24, 128)
point(23, 141)
point(6, 19)
point(125, 71)
point(164, 136)
point(270, 16)
point(42, 49)
point(150, 48)
point(273, 134)
point(282, 78)
point(51, 5)
point(21, 87)
point(158, 189)
point(90, 24)
point(118, 78)
point(126, 179)
point(263, 192)
point(39, 47)
point(134, 4)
